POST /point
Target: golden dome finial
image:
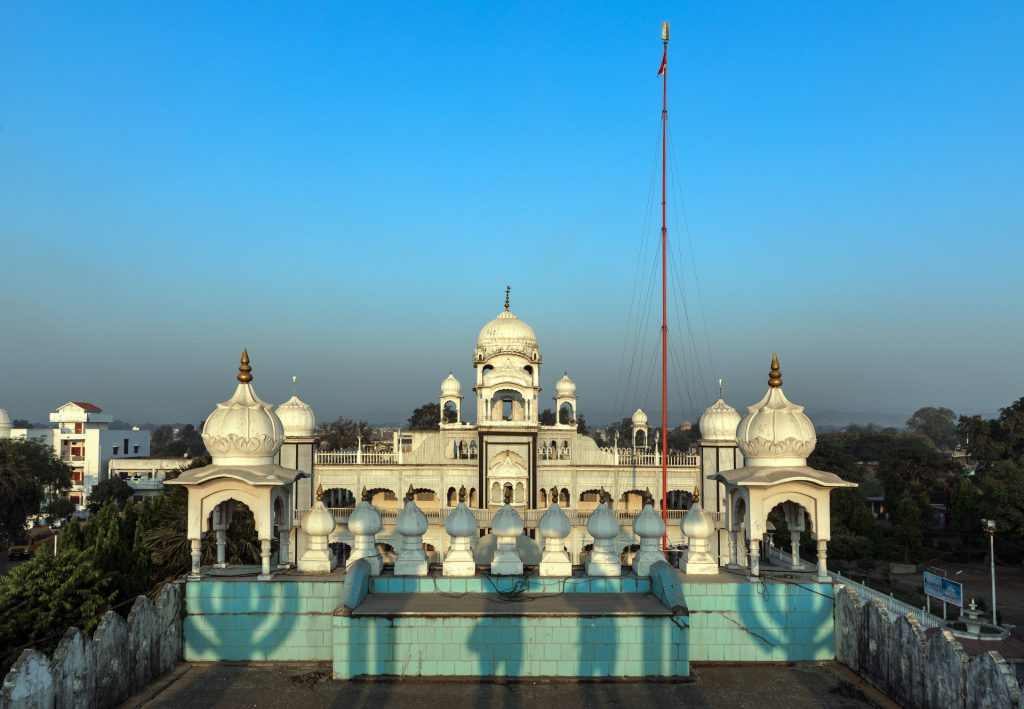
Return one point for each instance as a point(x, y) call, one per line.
point(508, 289)
point(244, 369)
point(410, 494)
point(696, 494)
point(775, 376)
point(462, 494)
point(320, 492)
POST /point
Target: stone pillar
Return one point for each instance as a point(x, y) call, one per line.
point(197, 557)
point(755, 558)
point(794, 539)
point(823, 560)
point(264, 560)
point(222, 535)
point(732, 549)
point(283, 547)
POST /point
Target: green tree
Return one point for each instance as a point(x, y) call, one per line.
point(425, 418)
point(581, 425)
point(546, 417)
point(1002, 486)
point(965, 511)
point(113, 490)
point(45, 595)
point(72, 536)
point(912, 468)
point(343, 433)
point(29, 471)
point(60, 508)
point(937, 424)
point(909, 526)
point(981, 438)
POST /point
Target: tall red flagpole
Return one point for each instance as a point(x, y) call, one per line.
point(664, 289)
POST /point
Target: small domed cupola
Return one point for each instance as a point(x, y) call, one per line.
point(775, 432)
point(718, 422)
point(565, 388)
point(296, 416)
point(244, 430)
point(450, 387)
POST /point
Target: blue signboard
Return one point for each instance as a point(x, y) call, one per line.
point(943, 589)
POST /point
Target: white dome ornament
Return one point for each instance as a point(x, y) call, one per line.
point(775, 432)
point(719, 421)
point(244, 430)
point(603, 526)
point(450, 387)
point(317, 524)
point(507, 334)
point(506, 526)
point(565, 388)
point(697, 529)
point(5, 424)
point(412, 525)
point(650, 528)
point(554, 528)
point(461, 527)
point(296, 416)
point(364, 523)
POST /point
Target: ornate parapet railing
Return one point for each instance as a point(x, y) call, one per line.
point(357, 458)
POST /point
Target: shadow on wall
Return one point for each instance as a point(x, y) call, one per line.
point(915, 670)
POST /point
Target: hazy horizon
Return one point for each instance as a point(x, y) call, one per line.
point(348, 193)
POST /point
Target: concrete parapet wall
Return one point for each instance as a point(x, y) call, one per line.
point(96, 672)
point(918, 674)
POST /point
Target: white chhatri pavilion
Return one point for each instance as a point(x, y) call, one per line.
point(776, 437)
point(243, 436)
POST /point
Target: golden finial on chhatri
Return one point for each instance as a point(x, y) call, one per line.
point(320, 492)
point(648, 497)
point(244, 368)
point(462, 494)
point(365, 495)
point(508, 289)
point(410, 494)
point(775, 377)
point(696, 494)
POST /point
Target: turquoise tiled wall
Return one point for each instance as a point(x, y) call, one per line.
point(293, 621)
point(523, 646)
point(257, 621)
point(774, 622)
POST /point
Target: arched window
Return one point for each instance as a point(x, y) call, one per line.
point(450, 414)
point(520, 493)
point(566, 413)
point(495, 494)
point(563, 498)
point(543, 497)
point(507, 491)
point(472, 497)
point(453, 497)
point(472, 449)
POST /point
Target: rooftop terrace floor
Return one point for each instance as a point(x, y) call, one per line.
point(802, 686)
point(480, 605)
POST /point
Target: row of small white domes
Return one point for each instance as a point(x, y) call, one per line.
point(565, 388)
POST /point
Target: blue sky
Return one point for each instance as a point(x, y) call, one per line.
point(347, 188)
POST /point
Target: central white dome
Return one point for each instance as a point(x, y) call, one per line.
point(244, 430)
point(775, 432)
point(507, 334)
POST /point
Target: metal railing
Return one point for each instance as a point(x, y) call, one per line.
point(895, 606)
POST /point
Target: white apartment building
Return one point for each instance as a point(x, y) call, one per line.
point(82, 438)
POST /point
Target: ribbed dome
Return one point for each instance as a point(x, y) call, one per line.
point(507, 522)
point(461, 522)
point(365, 519)
point(648, 524)
point(565, 388)
point(554, 524)
point(695, 523)
point(507, 333)
point(603, 523)
point(639, 418)
point(450, 387)
point(297, 418)
point(244, 430)
point(775, 432)
point(411, 521)
point(5, 420)
point(718, 422)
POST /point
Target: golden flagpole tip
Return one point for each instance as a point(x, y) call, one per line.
point(664, 31)
point(775, 376)
point(244, 369)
